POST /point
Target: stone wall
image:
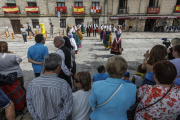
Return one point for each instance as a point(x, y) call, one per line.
point(2, 3)
point(166, 6)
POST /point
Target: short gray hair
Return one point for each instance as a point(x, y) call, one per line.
point(51, 61)
point(62, 39)
point(175, 41)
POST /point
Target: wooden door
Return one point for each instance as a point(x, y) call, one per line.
point(16, 25)
point(78, 21)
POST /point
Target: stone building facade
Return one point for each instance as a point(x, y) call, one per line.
point(113, 11)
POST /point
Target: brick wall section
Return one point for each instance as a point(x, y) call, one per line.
point(2, 3)
point(42, 7)
point(166, 6)
point(52, 6)
point(22, 4)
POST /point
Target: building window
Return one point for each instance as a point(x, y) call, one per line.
point(78, 3)
point(10, 3)
point(96, 21)
point(60, 3)
point(178, 2)
point(63, 23)
point(35, 22)
point(153, 3)
point(95, 4)
point(122, 3)
point(31, 3)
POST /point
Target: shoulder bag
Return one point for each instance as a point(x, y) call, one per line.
point(110, 97)
point(131, 112)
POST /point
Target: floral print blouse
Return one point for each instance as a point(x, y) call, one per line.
point(166, 109)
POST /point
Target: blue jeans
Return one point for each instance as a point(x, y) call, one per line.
point(148, 82)
point(4, 100)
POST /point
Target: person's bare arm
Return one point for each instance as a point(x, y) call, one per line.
point(34, 62)
point(10, 111)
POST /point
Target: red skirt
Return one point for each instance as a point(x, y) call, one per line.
point(116, 48)
point(97, 30)
point(91, 30)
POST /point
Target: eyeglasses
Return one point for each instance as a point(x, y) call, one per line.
point(76, 80)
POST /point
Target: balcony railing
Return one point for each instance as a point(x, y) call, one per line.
point(122, 10)
point(176, 9)
point(63, 10)
point(96, 10)
point(78, 10)
point(153, 10)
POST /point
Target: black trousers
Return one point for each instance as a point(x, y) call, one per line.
point(94, 31)
point(30, 31)
point(25, 38)
point(88, 32)
point(65, 77)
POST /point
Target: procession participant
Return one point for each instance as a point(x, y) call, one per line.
point(109, 29)
point(94, 29)
point(79, 33)
point(88, 29)
point(82, 28)
point(73, 43)
point(68, 28)
point(101, 32)
point(104, 34)
point(73, 30)
point(91, 28)
point(116, 46)
point(97, 29)
point(108, 41)
point(77, 40)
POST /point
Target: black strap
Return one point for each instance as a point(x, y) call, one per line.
point(156, 101)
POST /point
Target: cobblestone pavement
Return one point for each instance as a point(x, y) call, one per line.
point(89, 57)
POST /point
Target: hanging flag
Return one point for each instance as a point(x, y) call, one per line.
point(78, 10)
point(61, 9)
point(10, 9)
point(177, 8)
point(32, 9)
point(96, 9)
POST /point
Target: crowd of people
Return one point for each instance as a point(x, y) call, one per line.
point(59, 93)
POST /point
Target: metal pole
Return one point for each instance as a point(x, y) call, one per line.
point(48, 10)
point(138, 15)
point(104, 12)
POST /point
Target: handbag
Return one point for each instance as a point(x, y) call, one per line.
point(110, 97)
point(131, 112)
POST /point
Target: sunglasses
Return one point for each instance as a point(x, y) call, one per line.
point(76, 80)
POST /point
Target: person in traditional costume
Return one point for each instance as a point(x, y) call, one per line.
point(72, 40)
point(108, 41)
point(97, 29)
point(104, 34)
point(68, 28)
point(101, 33)
point(91, 28)
point(116, 46)
point(88, 29)
point(79, 33)
point(77, 40)
point(82, 28)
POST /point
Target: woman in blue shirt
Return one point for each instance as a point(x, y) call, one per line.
point(116, 108)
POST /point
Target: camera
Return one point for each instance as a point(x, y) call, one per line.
point(166, 42)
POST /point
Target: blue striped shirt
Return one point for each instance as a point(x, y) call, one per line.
point(49, 98)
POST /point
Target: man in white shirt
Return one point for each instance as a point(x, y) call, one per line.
point(67, 60)
point(94, 28)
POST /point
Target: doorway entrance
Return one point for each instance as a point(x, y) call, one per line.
point(149, 25)
point(78, 21)
point(121, 22)
point(16, 25)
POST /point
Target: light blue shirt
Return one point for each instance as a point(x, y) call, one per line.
point(176, 62)
point(37, 52)
point(116, 108)
point(100, 76)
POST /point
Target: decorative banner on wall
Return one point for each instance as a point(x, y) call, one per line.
point(32, 9)
point(153, 10)
point(61, 9)
point(177, 8)
point(96, 9)
point(10, 9)
point(78, 10)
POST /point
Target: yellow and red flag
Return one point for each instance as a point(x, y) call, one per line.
point(32, 9)
point(10, 9)
point(177, 8)
point(78, 10)
point(61, 9)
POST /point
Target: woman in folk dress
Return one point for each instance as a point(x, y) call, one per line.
point(116, 46)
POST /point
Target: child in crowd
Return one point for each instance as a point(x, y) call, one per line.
point(101, 75)
point(126, 77)
point(139, 76)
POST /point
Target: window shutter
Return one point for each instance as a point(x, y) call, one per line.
point(10, 1)
point(60, 0)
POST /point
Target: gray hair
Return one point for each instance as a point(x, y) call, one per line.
point(51, 61)
point(62, 39)
point(175, 41)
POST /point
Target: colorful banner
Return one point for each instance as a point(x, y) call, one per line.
point(61, 9)
point(32, 9)
point(153, 10)
point(177, 8)
point(96, 9)
point(10, 9)
point(78, 10)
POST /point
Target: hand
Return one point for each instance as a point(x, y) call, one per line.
point(41, 63)
point(71, 73)
point(146, 55)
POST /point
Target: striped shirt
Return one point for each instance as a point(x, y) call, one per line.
point(49, 98)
